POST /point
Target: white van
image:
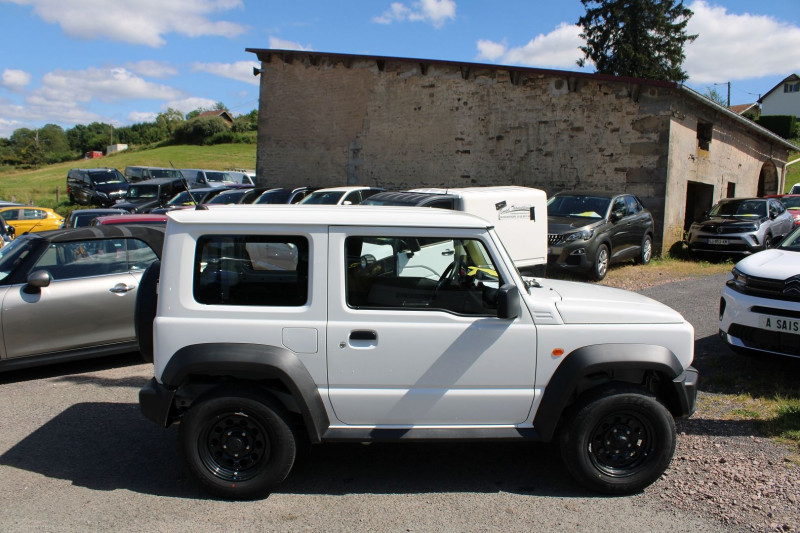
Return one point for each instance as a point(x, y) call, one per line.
point(519, 214)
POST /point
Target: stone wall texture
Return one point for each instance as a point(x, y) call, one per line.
point(331, 121)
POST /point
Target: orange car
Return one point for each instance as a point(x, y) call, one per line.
point(28, 219)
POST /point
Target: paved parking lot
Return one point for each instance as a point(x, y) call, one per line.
point(76, 454)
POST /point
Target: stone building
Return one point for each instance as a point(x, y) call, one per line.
point(335, 119)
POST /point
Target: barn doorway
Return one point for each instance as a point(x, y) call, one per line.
point(699, 199)
point(768, 179)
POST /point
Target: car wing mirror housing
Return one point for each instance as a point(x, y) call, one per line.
point(508, 301)
point(37, 280)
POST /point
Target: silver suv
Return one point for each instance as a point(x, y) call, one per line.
point(740, 226)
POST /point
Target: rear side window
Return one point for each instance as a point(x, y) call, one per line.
point(251, 270)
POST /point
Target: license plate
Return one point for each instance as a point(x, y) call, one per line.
point(779, 323)
point(718, 241)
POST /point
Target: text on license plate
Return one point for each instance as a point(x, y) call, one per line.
point(717, 241)
point(777, 323)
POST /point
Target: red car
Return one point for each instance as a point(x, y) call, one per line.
point(130, 219)
point(792, 203)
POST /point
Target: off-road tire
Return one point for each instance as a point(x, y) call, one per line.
point(618, 440)
point(145, 310)
point(237, 443)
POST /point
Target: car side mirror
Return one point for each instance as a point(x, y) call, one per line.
point(508, 301)
point(11, 230)
point(617, 215)
point(37, 280)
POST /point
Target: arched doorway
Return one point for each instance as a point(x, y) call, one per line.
point(768, 179)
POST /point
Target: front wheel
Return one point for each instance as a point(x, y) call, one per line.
point(618, 441)
point(646, 252)
point(600, 265)
point(768, 241)
point(238, 444)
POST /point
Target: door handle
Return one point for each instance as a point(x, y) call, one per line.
point(363, 335)
point(121, 288)
point(448, 252)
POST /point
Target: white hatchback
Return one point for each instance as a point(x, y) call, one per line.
point(760, 305)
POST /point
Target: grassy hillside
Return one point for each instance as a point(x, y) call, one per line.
point(38, 187)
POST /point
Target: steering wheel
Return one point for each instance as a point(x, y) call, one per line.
point(448, 274)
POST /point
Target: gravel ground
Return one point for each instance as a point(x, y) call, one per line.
point(722, 468)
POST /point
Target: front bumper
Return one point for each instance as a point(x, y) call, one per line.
point(685, 387)
point(572, 256)
point(742, 323)
point(725, 243)
point(157, 403)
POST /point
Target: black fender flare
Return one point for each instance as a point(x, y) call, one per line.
point(623, 362)
point(252, 362)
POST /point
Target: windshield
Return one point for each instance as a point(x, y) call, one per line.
point(165, 173)
point(12, 254)
point(107, 177)
point(227, 197)
point(791, 202)
point(185, 198)
point(740, 208)
point(792, 241)
point(329, 198)
point(574, 205)
point(143, 191)
point(219, 177)
point(277, 196)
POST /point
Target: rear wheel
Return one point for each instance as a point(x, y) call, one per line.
point(618, 440)
point(238, 444)
point(600, 265)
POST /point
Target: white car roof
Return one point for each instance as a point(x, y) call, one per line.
point(346, 188)
point(328, 215)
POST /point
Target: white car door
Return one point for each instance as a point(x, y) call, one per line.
point(415, 351)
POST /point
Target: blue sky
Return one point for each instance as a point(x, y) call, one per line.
point(71, 62)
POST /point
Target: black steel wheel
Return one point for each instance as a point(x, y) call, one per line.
point(238, 444)
point(618, 440)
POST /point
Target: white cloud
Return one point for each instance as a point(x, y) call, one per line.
point(433, 12)
point(142, 116)
point(185, 105)
point(144, 22)
point(282, 44)
point(15, 80)
point(735, 47)
point(7, 127)
point(152, 69)
point(104, 84)
point(64, 95)
point(240, 70)
point(557, 49)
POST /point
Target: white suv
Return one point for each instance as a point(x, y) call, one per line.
point(760, 305)
point(279, 324)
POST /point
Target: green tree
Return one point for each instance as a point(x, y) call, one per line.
point(636, 38)
point(714, 95)
point(169, 120)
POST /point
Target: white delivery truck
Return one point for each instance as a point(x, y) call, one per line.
point(519, 215)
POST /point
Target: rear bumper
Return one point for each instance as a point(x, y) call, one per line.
point(157, 403)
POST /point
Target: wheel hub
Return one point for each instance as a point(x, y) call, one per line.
point(234, 446)
point(620, 443)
